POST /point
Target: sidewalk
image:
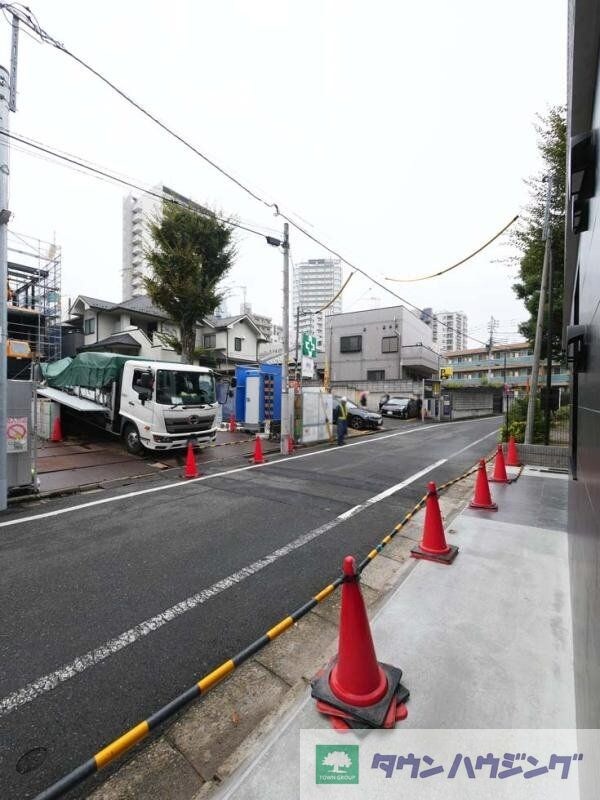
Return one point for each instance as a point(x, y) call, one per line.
point(102, 462)
point(485, 643)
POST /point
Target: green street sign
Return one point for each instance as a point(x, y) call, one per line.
point(309, 345)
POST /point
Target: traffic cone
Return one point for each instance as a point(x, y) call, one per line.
point(232, 423)
point(355, 687)
point(291, 446)
point(433, 546)
point(500, 475)
point(512, 455)
point(191, 468)
point(482, 497)
point(258, 457)
point(56, 435)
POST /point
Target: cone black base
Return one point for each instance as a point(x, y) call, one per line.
point(483, 506)
point(442, 558)
point(372, 716)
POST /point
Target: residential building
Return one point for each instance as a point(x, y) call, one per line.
point(234, 340)
point(377, 345)
point(316, 283)
point(506, 363)
point(138, 211)
point(582, 340)
point(263, 323)
point(134, 327)
point(449, 330)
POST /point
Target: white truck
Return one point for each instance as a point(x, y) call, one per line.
point(154, 405)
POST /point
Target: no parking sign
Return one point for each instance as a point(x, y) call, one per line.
point(16, 434)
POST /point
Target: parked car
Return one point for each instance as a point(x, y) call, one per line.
point(360, 418)
point(402, 407)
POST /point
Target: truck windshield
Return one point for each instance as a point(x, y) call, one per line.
point(179, 388)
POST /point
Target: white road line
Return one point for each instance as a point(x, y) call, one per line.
point(286, 460)
point(49, 682)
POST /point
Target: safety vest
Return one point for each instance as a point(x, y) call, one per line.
point(343, 411)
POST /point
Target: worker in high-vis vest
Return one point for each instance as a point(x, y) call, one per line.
point(340, 417)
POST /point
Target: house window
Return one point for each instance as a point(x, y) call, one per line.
point(210, 341)
point(389, 344)
point(375, 374)
point(151, 329)
point(237, 343)
point(350, 344)
point(89, 326)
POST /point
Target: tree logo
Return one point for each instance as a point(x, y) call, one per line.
point(337, 763)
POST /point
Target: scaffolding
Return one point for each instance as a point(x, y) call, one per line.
point(34, 303)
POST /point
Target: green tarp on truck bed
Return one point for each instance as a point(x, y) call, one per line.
point(90, 370)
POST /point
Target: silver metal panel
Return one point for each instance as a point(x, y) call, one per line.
point(69, 400)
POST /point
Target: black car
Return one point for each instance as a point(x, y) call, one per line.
point(360, 418)
point(402, 407)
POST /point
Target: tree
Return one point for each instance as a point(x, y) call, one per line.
point(190, 255)
point(552, 146)
point(337, 759)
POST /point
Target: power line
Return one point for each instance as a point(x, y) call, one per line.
point(26, 16)
point(96, 170)
point(458, 263)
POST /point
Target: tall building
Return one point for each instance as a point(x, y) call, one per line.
point(138, 211)
point(317, 281)
point(449, 330)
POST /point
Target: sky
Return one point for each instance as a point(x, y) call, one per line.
point(399, 133)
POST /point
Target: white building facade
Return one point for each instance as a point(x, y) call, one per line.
point(138, 211)
point(450, 330)
point(316, 282)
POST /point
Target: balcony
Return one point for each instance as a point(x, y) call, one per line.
point(420, 359)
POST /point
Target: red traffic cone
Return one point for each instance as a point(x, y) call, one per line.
point(258, 457)
point(482, 497)
point(512, 455)
point(232, 423)
point(56, 435)
point(433, 546)
point(291, 446)
point(356, 687)
point(500, 475)
point(191, 468)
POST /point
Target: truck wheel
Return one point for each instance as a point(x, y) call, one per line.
point(131, 437)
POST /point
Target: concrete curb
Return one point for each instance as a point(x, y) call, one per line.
point(221, 732)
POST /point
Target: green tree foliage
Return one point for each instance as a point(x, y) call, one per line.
point(552, 145)
point(190, 255)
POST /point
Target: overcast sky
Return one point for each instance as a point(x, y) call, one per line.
point(399, 132)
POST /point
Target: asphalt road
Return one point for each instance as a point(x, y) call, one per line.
point(243, 547)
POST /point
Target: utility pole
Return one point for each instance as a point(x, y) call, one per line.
point(285, 366)
point(4, 217)
point(533, 384)
point(549, 343)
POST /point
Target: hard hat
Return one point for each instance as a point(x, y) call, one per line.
point(344, 399)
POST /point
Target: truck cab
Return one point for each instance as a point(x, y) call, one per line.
point(163, 405)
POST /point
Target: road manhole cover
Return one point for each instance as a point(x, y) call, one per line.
point(31, 760)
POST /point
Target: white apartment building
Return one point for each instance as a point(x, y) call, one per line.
point(449, 330)
point(316, 281)
point(138, 211)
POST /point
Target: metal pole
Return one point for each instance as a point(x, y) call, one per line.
point(505, 394)
point(297, 339)
point(549, 345)
point(533, 384)
point(4, 217)
point(285, 367)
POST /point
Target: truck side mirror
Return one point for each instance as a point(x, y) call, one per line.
point(233, 383)
point(222, 392)
point(146, 379)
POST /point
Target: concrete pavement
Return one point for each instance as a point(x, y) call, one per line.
point(95, 641)
point(485, 643)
